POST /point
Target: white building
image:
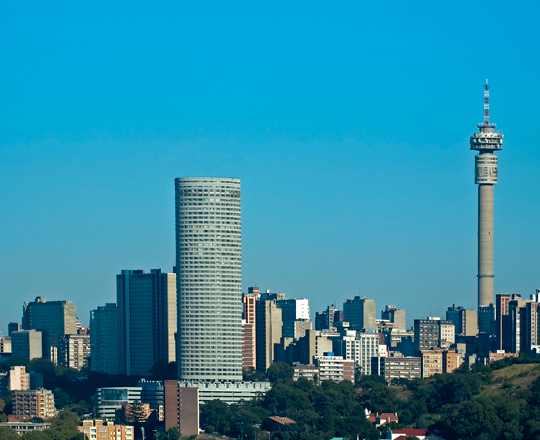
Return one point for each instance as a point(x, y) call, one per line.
point(209, 278)
point(361, 347)
point(228, 392)
point(113, 398)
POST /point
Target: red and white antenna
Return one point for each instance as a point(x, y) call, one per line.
point(486, 104)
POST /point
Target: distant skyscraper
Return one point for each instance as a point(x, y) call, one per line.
point(395, 316)
point(486, 142)
point(146, 319)
point(14, 327)
point(269, 327)
point(52, 318)
point(209, 278)
point(359, 313)
point(104, 339)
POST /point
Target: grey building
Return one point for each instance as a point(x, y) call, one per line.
point(360, 313)
point(392, 368)
point(428, 333)
point(395, 316)
point(104, 339)
point(52, 318)
point(27, 344)
point(146, 305)
point(209, 278)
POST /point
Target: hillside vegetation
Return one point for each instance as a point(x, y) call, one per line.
point(496, 402)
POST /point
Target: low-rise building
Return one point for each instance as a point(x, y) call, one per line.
point(392, 368)
point(335, 368)
point(24, 427)
point(228, 392)
point(432, 362)
point(114, 398)
point(33, 403)
point(310, 372)
point(100, 430)
point(5, 345)
point(451, 361)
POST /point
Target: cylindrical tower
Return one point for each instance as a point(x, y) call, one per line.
point(486, 142)
point(209, 279)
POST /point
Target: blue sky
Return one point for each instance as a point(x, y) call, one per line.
point(348, 124)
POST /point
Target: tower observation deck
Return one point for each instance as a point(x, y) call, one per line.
point(486, 141)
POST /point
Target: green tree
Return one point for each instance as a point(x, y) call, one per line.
point(36, 435)
point(61, 399)
point(280, 370)
point(43, 366)
point(14, 361)
point(8, 433)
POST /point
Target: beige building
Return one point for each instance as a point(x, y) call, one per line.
point(5, 344)
point(98, 429)
point(269, 327)
point(452, 361)
point(432, 362)
point(34, 403)
point(74, 351)
point(19, 379)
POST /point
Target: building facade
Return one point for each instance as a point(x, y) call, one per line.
point(334, 368)
point(293, 310)
point(392, 368)
point(98, 429)
point(209, 278)
point(27, 344)
point(74, 351)
point(269, 326)
point(181, 408)
point(104, 339)
point(395, 316)
point(360, 313)
point(34, 403)
point(146, 305)
point(52, 318)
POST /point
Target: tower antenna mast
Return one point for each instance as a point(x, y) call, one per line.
point(486, 104)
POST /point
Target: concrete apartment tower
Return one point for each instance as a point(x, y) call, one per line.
point(209, 278)
point(486, 142)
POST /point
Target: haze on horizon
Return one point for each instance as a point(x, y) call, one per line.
point(347, 124)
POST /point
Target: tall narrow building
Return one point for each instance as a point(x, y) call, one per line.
point(486, 142)
point(209, 278)
point(104, 339)
point(146, 305)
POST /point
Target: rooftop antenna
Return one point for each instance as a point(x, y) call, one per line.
point(486, 104)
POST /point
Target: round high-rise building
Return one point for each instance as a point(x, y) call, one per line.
point(209, 278)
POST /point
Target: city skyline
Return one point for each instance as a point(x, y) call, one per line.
point(356, 174)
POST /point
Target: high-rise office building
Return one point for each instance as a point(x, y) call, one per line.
point(486, 141)
point(209, 278)
point(27, 344)
point(432, 332)
point(360, 313)
point(14, 327)
point(465, 320)
point(395, 316)
point(269, 331)
point(146, 305)
point(104, 339)
point(52, 318)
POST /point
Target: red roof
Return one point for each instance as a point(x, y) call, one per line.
point(411, 432)
point(389, 416)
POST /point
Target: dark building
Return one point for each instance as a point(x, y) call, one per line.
point(360, 313)
point(181, 408)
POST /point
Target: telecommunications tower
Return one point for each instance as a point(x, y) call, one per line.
point(486, 141)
